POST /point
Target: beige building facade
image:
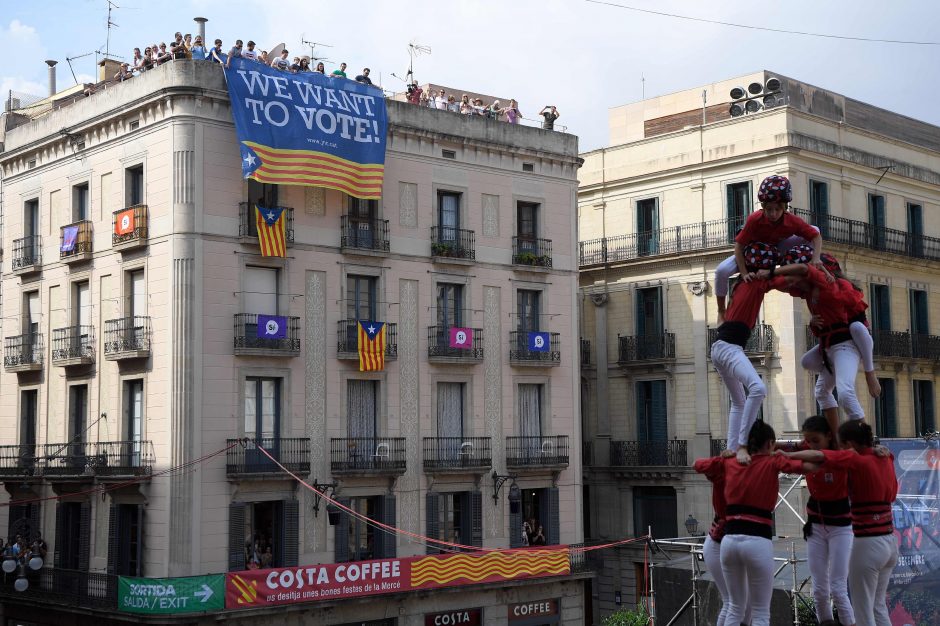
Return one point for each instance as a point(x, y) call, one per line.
point(658, 209)
point(134, 352)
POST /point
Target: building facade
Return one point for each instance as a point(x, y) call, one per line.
point(132, 289)
point(658, 210)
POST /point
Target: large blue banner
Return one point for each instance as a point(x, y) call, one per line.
point(914, 591)
point(308, 128)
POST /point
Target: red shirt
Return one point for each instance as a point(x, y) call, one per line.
point(751, 492)
point(831, 301)
point(873, 486)
point(829, 497)
point(747, 299)
point(713, 469)
point(759, 228)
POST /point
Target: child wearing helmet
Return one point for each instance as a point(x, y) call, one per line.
point(773, 225)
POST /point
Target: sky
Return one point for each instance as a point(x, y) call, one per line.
point(581, 56)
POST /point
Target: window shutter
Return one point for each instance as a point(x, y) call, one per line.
point(114, 515)
point(386, 542)
point(35, 520)
point(140, 541)
point(60, 533)
point(551, 519)
point(236, 536)
point(658, 430)
point(515, 528)
point(291, 523)
point(475, 499)
point(341, 534)
point(84, 542)
point(432, 504)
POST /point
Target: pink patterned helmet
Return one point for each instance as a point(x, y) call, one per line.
point(760, 256)
point(775, 189)
point(801, 253)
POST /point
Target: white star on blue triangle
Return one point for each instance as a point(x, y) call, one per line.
point(250, 161)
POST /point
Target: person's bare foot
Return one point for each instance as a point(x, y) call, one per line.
point(743, 457)
point(874, 387)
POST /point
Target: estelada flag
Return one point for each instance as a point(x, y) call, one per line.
point(124, 222)
point(272, 231)
point(371, 346)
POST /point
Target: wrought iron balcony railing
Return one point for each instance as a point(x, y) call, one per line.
point(129, 227)
point(763, 340)
point(67, 588)
point(457, 453)
point(115, 459)
point(23, 352)
point(452, 243)
point(672, 453)
point(368, 455)
point(248, 222)
point(892, 343)
point(127, 338)
point(81, 247)
point(652, 347)
point(861, 234)
point(532, 251)
point(671, 240)
point(269, 338)
point(545, 451)
point(123, 458)
point(363, 234)
point(73, 345)
point(27, 254)
point(522, 350)
point(246, 458)
point(925, 347)
point(347, 339)
point(441, 348)
point(585, 352)
point(717, 446)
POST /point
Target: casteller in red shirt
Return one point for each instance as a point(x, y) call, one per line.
point(714, 471)
point(759, 228)
point(751, 492)
point(873, 487)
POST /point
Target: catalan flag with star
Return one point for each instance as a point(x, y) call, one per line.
point(371, 346)
point(272, 230)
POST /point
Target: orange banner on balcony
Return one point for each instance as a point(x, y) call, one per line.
point(335, 581)
point(124, 222)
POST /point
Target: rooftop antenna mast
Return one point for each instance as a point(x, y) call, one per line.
point(80, 56)
point(107, 45)
point(313, 45)
point(415, 49)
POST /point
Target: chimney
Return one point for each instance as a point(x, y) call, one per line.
point(202, 30)
point(52, 89)
point(107, 68)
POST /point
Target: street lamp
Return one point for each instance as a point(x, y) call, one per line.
point(515, 495)
point(691, 525)
point(10, 565)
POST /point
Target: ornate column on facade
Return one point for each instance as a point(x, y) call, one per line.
point(700, 446)
point(602, 401)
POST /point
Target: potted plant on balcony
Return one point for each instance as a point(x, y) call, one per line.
point(443, 249)
point(527, 258)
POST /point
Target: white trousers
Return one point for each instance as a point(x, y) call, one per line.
point(748, 565)
point(712, 555)
point(739, 375)
point(844, 358)
point(828, 550)
point(861, 336)
point(727, 268)
point(873, 559)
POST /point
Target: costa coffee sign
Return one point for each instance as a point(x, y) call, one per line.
point(461, 617)
point(525, 611)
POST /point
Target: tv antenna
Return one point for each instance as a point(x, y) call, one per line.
point(80, 56)
point(415, 49)
point(313, 45)
point(107, 45)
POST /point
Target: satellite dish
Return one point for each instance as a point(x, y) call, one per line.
point(736, 110)
point(737, 93)
point(772, 84)
point(752, 106)
point(755, 88)
point(275, 52)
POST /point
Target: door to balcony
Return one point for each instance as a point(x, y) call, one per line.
point(652, 432)
point(361, 223)
point(262, 422)
point(647, 226)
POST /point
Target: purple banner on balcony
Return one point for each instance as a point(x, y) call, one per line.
point(461, 338)
point(69, 236)
point(539, 342)
point(272, 327)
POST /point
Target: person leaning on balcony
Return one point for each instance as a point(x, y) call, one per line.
point(215, 54)
point(235, 52)
point(549, 114)
point(773, 224)
point(364, 77)
point(320, 68)
point(512, 112)
point(124, 73)
point(339, 73)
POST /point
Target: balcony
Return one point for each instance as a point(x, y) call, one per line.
point(523, 354)
point(78, 249)
point(23, 353)
point(671, 453)
point(105, 459)
point(368, 455)
point(246, 459)
point(537, 452)
point(645, 349)
point(127, 338)
point(129, 227)
point(717, 446)
point(123, 459)
point(672, 240)
point(18, 461)
point(925, 347)
point(27, 255)
point(585, 353)
point(363, 235)
point(440, 349)
point(65, 588)
point(73, 345)
point(268, 338)
point(452, 244)
point(347, 340)
point(864, 235)
point(532, 252)
point(457, 454)
point(892, 344)
point(762, 341)
point(248, 223)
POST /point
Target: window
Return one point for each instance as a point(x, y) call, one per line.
point(135, 301)
point(360, 297)
point(81, 203)
point(449, 305)
point(527, 226)
point(263, 194)
point(540, 511)
point(134, 185)
point(920, 324)
point(528, 312)
point(651, 413)
point(915, 228)
point(363, 227)
point(262, 407)
point(78, 420)
point(133, 411)
point(740, 205)
point(261, 290)
point(362, 409)
point(876, 218)
point(654, 508)
point(126, 530)
point(647, 226)
point(265, 533)
point(81, 304)
point(358, 541)
point(448, 216)
point(72, 530)
point(530, 415)
point(450, 412)
point(819, 205)
point(31, 218)
point(29, 403)
point(880, 307)
point(455, 517)
point(31, 313)
point(361, 536)
point(449, 154)
point(649, 311)
point(886, 424)
point(923, 408)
